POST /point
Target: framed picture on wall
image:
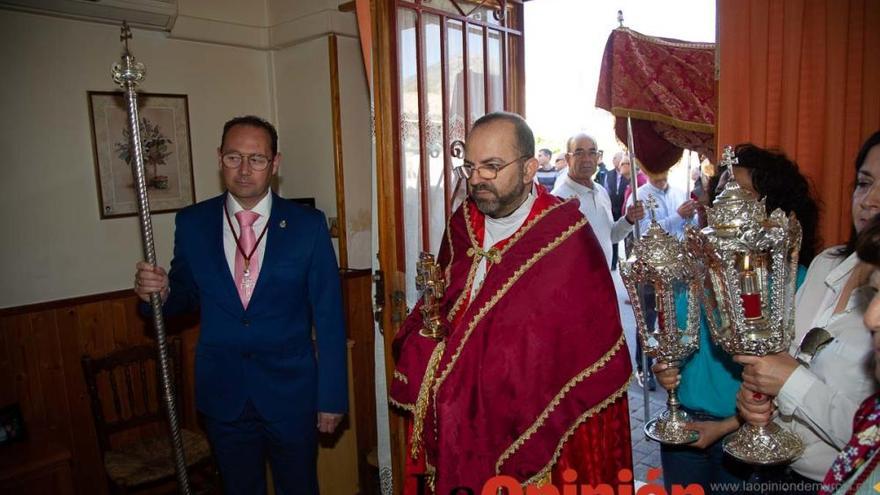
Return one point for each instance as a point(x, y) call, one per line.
point(164, 122)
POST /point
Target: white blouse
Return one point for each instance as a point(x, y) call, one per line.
point(818, 403)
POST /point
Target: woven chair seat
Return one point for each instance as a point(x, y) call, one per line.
point(152, 459)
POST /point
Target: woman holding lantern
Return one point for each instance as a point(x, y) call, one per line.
point(855, 469)
point(817, 393)
point(711, 377)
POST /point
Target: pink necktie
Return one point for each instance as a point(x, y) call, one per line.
point(246, 276)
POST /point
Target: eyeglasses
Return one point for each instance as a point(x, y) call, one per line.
point(255, 161)
point(578, 153)
point(488, 171)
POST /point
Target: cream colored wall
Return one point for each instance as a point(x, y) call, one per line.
point(305, 128)
point(54, 244)
point(357, 152)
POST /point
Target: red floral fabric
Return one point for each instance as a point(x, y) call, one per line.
point(667, 87)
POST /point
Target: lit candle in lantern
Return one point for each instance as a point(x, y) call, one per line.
point(749, 293)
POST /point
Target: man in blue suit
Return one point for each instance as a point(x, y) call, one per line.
point(262, 272)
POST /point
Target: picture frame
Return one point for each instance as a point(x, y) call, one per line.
point(165, 136)
point(11, 424)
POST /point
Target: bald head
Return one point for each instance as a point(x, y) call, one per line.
point(583, 158)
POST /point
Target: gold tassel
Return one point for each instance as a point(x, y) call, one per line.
point(422, 401)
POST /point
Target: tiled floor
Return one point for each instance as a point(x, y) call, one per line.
point(646, 453)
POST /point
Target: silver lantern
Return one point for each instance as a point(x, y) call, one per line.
point(751, 260)
point(663, 274)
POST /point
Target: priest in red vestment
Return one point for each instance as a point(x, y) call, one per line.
point(531, 380)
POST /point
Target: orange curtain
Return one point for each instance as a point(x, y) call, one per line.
point(803, 76)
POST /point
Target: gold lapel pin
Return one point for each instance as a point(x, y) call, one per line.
point(282, 224)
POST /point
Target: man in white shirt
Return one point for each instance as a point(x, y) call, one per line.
point(582, 159)
point(672, 209)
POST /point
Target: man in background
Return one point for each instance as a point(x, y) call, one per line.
point(595, 204)
point(615, 184)
point(546, 171)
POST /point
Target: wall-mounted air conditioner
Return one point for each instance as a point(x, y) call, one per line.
point(149, 14)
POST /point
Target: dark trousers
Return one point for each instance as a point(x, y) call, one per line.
point(614, 256)
point(649, 303)
point(710, 467)
point(243, 446)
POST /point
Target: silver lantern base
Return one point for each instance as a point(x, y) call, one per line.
point(763, 445)
point(669, 427)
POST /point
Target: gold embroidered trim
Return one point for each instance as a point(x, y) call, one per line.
point(448, 269)
point(694, 45)
point(472, 274)
point(659, 117)
point(543, 481)
point(400, 376)
point(546, 470)
point(422, 401)
point(554, 403)
point(406, 407)
point(521, 232)
point(431, 477)
point(501, 292)
point(465, 208)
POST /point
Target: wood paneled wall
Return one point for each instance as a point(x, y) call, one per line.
point(41, 346)
point(40, 351)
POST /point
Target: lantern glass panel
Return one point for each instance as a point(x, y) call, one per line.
point(680, 293)
point(653, 317)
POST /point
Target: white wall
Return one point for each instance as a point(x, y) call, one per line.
point(354, 100)
point(54, 244)
point(305, 122)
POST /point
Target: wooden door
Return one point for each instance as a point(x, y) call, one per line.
point(441, 64)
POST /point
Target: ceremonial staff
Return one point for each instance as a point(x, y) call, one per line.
point(127, 74)
point(637, 234)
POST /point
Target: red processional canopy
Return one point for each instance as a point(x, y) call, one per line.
point(667, 87)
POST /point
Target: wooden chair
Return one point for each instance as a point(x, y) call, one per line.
point(133, 409)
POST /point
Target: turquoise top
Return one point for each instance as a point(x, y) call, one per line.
point(710, 378)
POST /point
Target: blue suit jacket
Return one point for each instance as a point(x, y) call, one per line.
point(264, 353)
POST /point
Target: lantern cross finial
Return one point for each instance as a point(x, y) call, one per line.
point(728, 157)
point(651, 204)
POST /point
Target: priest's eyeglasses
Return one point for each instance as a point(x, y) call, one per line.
point(255, 161)
point(487, 172)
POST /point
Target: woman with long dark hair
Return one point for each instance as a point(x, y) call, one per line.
point(817, 401)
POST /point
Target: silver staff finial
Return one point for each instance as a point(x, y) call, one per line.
point(125, 35)
point(128, 71)
point(728, 157)
point(620, 17)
